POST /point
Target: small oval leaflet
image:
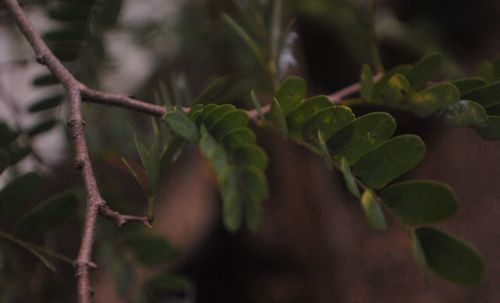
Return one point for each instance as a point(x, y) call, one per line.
point(290, 94)
point(182, 126)
point(449, 257)
point(426, 102)
point(296, 119)
point(420, 201)
point(423, 70)
point(390, 160)
point(361, 136)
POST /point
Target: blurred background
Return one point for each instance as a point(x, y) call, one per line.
point(314, 245)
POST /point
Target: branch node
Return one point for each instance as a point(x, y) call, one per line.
point(74, 122)
point(42, 59)
point(119, 218)
point(82, 264)
point(79, 163)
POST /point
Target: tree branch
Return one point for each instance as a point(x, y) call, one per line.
point(77, 91)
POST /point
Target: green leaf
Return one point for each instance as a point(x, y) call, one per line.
point(325, 153)
point(361, 135)
point(465, 113)
point(421, 202)
point(449, 257)
point(45, 80)
point(396, 89)
point(182, 126)
point(419, 255)
point(135, 175)
point(380, 84)
point(277, 118)
point(255, 190)
point(170, 153)
point(42, 127)
point(423, 70)
point(467, 84)
point(238, 137)
point(348, 178)
point(217, 114)
point(486, 72)
point(373, 211)
point(327, 121)
point(367, 84)
point(45, 103)
point(487, 95)
point(492, 130)
point(149, 249)
point(213, 151)
point(242, 33)
point(290, 94)
point(296, 118)
point(207, 110)
point(31, 248)
point(250, 155)
point(434, 98)
point(232, 207)
point(390, 160)
point(228, 122)
point(17, 193)
point(48, 214)
point(151, 162)
point(238, 163)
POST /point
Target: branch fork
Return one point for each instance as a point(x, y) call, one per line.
point(79, 93)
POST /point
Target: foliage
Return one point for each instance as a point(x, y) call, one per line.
point(364, 149)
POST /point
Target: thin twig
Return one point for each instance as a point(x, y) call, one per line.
point(95, 96)
point(335, 97)
point(77, 91)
